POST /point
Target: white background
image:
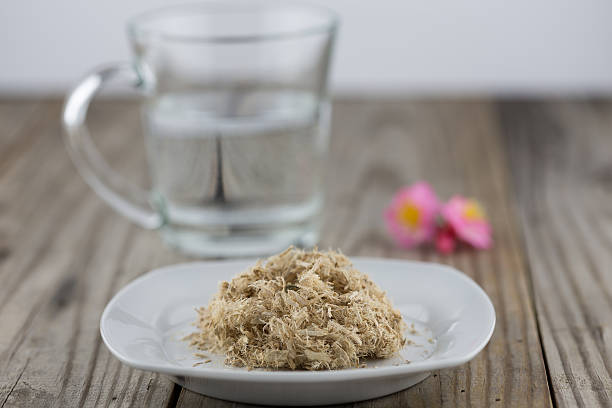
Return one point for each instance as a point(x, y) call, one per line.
point(414, 47)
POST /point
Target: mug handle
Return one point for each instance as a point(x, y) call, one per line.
point(128, 199)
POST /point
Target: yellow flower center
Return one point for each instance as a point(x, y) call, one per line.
point(473, 211)
point(409, 215)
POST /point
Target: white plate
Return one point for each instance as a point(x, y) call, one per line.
point(143, 326)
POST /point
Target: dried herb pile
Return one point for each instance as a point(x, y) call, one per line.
point(300, 310)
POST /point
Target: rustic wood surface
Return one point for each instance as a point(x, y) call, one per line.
point(542, 169)
point(561, 158)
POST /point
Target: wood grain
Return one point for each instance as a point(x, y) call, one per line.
point(561, 156)
point(60, 268)
point(543, 170)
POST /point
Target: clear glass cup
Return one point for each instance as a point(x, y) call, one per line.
point(236, 117)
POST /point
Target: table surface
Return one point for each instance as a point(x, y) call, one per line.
point(543, 170)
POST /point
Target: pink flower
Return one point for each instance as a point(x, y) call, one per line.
point(411, 216)
point(446, 239)
point(467, 219)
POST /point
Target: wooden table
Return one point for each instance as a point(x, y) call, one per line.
point(542, 169)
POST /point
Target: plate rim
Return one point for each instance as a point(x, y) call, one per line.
point(287, 376)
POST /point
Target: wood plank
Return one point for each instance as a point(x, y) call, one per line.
point(560, 159)
point(57, 252)
point(13, 138)
point(378, 147)
point(61, 268)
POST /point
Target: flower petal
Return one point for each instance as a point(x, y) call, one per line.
point(411, 215)
point(466, 217)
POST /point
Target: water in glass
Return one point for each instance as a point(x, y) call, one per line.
point(238, 168)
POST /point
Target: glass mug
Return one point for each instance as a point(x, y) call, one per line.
point(236, 117)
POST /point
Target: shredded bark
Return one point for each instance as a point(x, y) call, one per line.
point(300, 310)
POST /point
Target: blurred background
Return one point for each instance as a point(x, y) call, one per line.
point(387, 47)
